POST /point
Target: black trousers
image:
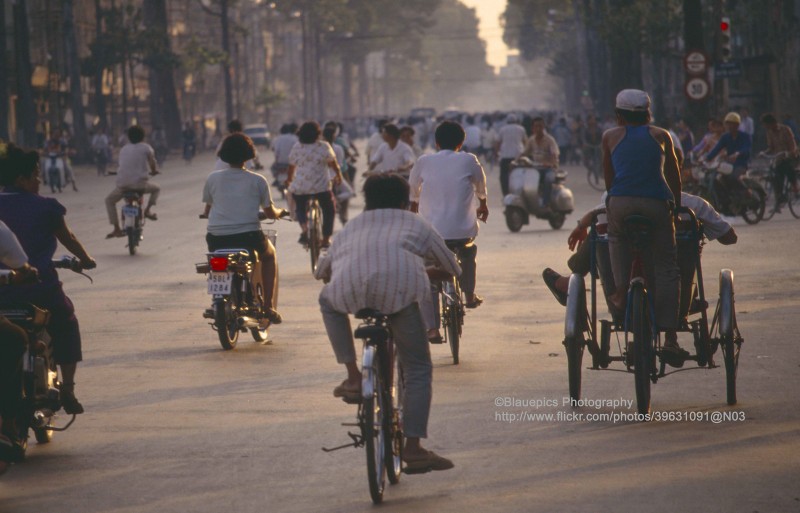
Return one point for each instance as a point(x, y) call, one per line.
point(12, 346)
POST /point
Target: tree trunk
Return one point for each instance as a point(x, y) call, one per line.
point(320, 94)
point(164, 108)
point(697, 112)
point(80, 136)
point(26, 108)
point(226, 63)
point(99, 99)
point(4, 96)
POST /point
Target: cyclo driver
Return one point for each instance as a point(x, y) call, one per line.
point(642, 177)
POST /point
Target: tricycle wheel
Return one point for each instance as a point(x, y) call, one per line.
point(574, 327)
point(643, 354)
point(730, 338)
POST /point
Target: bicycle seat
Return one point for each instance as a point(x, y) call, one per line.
point(133, 193)
point(371, 332)
point(369, 313)
point(639, 229)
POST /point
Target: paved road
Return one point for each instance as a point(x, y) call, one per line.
point(175, 424)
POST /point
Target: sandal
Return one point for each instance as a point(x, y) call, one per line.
point(150, 216)
point(429, 461)
point(348, 393)
point(115, 234)
point(475, 303)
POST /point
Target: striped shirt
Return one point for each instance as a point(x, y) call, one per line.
point(378, 261)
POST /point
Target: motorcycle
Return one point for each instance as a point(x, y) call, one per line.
point(41, 388)
point(523, 199)
point(234, 283)
point(132, 217)
point(715, 185)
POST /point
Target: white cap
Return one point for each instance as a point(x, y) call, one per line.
point(511, 118)
point(633, 99)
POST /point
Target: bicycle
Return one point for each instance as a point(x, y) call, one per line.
point(451, 307)
point(712, 188)
point(765, 175)
point(380, 413)
point(314, 231)
point(594, 168)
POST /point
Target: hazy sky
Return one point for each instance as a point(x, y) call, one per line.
point(489, 12)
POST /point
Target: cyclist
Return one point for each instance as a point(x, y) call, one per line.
point(235, 127)
point(310, 162)
point(393, 156)
point(189, 140)
point(591, 138)
point(137, 160)
point(376, 262)
point(544, 151)
point(282, 145)
point(39, 224)
point(445, 187)
point(781, 139)
point(642, 177)
point(233, 198)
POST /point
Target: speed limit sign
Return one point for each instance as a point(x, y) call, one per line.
point(697, 88)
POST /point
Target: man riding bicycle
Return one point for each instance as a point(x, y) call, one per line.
point(377, 262)
point(780, 139)
point(445, 187)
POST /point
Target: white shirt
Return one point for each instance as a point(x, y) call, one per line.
point(236, 196)
point(373, 143)
point(512, 141)
point(311, 175)
point(388, 159)
point(282, 146)
point(714, 226)
point(377, 261)
point(445, 184)
point(747, 126)
point(11, 253)
point(134, 164)
point(473, 137)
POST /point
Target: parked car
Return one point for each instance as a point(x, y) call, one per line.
point(258, 133)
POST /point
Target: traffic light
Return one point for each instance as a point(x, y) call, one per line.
point(725, 38)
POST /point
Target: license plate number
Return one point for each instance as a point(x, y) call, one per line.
point(219, 283)
point(128, 211)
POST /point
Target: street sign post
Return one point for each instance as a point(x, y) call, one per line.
point(695, 63)
point(697, 88)
point(729, 69)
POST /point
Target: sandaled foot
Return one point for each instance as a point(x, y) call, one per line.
point(673, 354)
point(151, 216)
point(434, 337)
point(273, 316)
point(349, 392)
point(428, 460)
point(69, 402)
point(550, 278)
point(475, 302)
point(115, 234)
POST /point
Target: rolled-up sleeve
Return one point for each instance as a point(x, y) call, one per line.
point(478, 178)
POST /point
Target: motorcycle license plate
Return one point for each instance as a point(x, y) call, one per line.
point(129, 211)
point(219, 283)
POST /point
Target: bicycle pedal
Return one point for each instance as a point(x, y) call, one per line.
point(352, 400)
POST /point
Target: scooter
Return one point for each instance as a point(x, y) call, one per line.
point(56, 178)
point(523, 199)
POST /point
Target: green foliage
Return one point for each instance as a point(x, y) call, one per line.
point(197, 56)
point(269, 99)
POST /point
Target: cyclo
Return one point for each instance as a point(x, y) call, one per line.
point(637, 338)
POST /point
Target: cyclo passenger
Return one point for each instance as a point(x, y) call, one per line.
point(642, 176)
point(714, 227)
point(233, 198)
point(376, 262)
point(543, 150)
point(136, 160)
point(444, 189)
point(13, 340)
point(39, 224)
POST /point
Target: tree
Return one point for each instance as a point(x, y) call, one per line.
point(26, 109)
point(225, 65)
point(4, 95)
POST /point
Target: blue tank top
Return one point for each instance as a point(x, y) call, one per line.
point(639, 166)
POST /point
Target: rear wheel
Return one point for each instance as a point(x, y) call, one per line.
point(133, 240)
point(595, 178)
point(453, 326)
point(394, 452)
point(557, 220)
point(226, 318)
point(515, 218)
point(643, 350)
point(373, 411)
point(793, 201)
point(314, 235)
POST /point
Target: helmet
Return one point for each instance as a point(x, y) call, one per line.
point(732, 117)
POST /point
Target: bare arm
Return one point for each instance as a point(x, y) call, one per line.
point(73, 245)
point(672, 170)
point(608, 165)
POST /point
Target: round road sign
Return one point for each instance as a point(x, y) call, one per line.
point(697, 88)
point(695, 63)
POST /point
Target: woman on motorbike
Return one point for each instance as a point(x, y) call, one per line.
point(39, 225)
point(233, 198)
point(310, 162)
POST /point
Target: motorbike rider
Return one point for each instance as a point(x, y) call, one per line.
point(737, 145)
point(544, 151)
point(233, 198)
point(13, 340)
point(642, 176)
point(39, 224)
point(445, 187)
point(376, 262)
point(509, 145)
point(282, 146)
point(136, 160)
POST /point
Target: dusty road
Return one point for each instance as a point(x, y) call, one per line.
point(175, 424)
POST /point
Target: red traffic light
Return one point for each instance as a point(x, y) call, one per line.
point(724, 26)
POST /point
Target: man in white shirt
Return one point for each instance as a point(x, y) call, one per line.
point(544, 151)
point(137, 160)
point(376, 139)
point(393, 156)
point(747, 126)
point(282, 146)
point(472, 141)
point(377, 262)
point(510, 145)
point(445, 188)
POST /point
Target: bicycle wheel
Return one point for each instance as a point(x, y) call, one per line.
point(753, 210)
point(394, 441)
point(574, 325)
point(643, 350)
point(373, 424)
point(793, 202)
point(730, 338)
point(595, 178)
point(225, 317)
point(450, 319)
point(314, 234)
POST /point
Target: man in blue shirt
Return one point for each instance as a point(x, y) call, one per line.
point(737, 145)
